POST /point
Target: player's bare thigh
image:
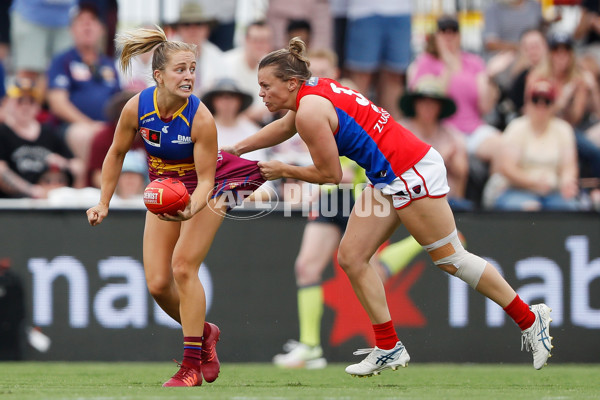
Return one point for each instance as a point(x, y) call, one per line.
point(160, 238)
point(428, 219)
point(165, 240)
point(372, 221)
point(197, 235)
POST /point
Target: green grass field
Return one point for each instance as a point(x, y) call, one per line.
point(104, 381)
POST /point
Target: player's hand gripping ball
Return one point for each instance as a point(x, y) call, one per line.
point(166, 196)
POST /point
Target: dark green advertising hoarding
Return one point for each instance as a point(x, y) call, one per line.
point(86, 285)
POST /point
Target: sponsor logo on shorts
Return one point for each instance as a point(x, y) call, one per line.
point(417, 189)
point(400, 197)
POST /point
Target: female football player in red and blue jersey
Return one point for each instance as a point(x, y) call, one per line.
point(181, 142)
point(408, 186)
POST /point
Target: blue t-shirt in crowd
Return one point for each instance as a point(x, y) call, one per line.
point(89, 87)
point(2, 82)
point(51, 13)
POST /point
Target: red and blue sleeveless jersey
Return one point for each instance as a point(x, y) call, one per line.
point(366, 133)
point(168, 143)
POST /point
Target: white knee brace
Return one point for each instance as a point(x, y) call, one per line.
point(470, 267)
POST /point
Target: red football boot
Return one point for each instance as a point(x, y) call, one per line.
point(185, 377)
point(210, 361)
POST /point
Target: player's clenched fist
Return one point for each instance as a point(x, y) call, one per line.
point(96, 214)
point(271, 170)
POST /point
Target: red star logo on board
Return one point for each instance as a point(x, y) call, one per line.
point(351, 319)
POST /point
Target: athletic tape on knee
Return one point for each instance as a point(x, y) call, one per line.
point(450, 250)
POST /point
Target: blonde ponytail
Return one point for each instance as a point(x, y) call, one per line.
point(142, 40)
point(138, 41)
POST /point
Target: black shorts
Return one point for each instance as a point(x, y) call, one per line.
point(334, 207)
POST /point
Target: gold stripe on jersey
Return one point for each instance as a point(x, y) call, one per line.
point(160, 167)
point(143, 117)
point(184, 119)
point(177, 113)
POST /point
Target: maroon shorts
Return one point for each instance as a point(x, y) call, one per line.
point(235, 173)
point(232, 174)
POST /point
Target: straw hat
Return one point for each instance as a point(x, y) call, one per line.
point(226, 86)
point(431, 88)
point(192, 13)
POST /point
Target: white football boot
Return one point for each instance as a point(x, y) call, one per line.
point(300, 355)
point(537, 337)
point(378, 360)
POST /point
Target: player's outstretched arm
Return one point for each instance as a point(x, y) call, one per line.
point(113, 162)
point(274, 133)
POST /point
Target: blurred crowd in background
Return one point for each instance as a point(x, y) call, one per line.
point(507, 91)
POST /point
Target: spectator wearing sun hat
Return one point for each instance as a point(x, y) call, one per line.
point(194, 26)
point(227, 102)
point(425, 107)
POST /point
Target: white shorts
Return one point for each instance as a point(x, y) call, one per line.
point(427, 178)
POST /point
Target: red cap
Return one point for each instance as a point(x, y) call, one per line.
point(542, 88)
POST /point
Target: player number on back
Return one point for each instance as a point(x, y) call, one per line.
point(360, 99)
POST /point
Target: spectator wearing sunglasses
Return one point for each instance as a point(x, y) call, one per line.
point(577, 96)
point(577, 93)
point(537, 167)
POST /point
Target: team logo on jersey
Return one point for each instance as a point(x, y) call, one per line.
point(150, 136)
point(312, 81)
point(165, 129)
